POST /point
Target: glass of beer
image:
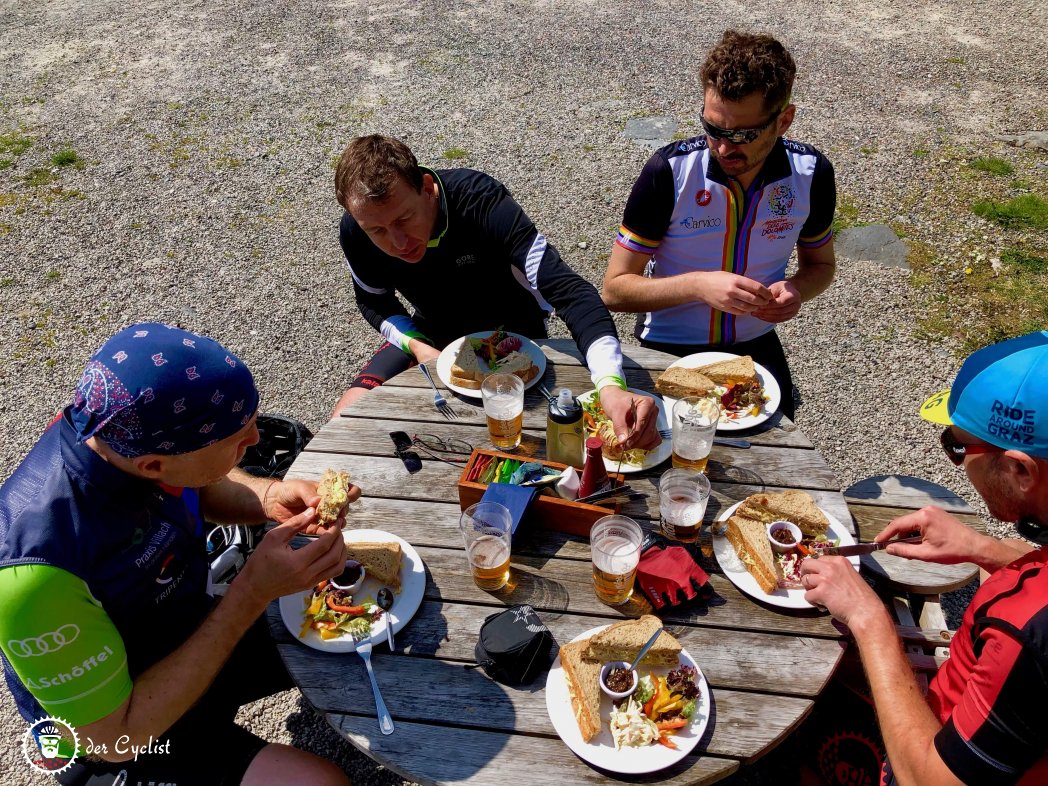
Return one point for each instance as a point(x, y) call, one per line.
point(683, 495)
point(615, 543)
point(486, 530)
point(694, 424)
point(503, 396)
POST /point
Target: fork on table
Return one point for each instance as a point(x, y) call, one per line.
point(438, 400)
point(385, 720)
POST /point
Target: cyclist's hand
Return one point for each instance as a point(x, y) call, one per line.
point(287, 498)
point(785, 303)
point(732, 293)
point(275, 569)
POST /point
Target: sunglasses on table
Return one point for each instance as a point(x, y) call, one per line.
point(432, 445)
point(737, 136)
point(957, 450)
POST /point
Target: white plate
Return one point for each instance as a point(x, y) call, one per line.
point(600, 751)
point(450, 352)
point(655, 456)
point(405, 604)
point(771, 390)
point(736, 572)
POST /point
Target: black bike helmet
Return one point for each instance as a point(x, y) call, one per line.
point(280, 441)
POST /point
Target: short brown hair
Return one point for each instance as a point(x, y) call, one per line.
point(742, 64)
point(370, 166)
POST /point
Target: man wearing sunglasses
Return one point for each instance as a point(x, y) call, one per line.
point(984, 719)
point(712, 221)
point(457, 246)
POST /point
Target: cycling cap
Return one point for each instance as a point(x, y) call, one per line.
point(155, 388)
point(1000, 395)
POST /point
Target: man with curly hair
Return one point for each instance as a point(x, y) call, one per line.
point(712, 221)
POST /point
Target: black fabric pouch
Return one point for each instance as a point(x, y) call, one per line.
point(514, 646)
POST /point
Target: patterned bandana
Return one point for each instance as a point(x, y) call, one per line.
point(154, 388)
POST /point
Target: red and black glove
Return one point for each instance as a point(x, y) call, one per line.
point(670, 576)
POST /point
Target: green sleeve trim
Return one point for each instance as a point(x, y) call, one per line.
point(610, 379)
point(62, 644)
point(410, 335)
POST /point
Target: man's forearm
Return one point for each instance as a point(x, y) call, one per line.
point(236, 499)
point(812, 280)
point(166, 690)
point(634, 293)
point(907, 724)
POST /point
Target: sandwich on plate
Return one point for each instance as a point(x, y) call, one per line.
point(740, 389)
point(583, 678)
point(749, 538)
point(380, 560)
point(623, 640)
point(733, 371)
point(794, 505)
point(497, 353)
point(680, 382)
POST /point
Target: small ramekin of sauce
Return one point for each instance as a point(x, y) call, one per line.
point(617, 679)
point(351, 577)
point(784, 536)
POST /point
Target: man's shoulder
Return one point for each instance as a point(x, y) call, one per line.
point(464, 187)
point(695, 146)
point(795, 148)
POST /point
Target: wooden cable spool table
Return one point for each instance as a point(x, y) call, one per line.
point(765, 666)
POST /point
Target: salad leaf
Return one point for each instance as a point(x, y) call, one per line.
point(682, 681)
point(645, 689)
point(689, 708)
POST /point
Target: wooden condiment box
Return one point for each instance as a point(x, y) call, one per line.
point(545, 510)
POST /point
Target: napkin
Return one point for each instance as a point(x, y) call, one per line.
point(515, 498)
point(669, 575)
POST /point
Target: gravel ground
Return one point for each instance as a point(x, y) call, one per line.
point(205, 135)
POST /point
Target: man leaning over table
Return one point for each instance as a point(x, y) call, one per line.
point(107, 620)
point(984, 720)
point(712, 221)
point(456, 245)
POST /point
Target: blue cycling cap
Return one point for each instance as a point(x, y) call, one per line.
point(1000, 395)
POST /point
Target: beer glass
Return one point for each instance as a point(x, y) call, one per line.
point(683, 495)
point(503, 396)
point(615, 543)
point(694, 424)
point(486, 531)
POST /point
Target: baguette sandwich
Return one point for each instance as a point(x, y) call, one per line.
point(623, 640)
point(583, 678)
point(733, 371)
point(749, 538)
point(334, 494)
point(794, 505)
point(380, 560)
point(681, 382)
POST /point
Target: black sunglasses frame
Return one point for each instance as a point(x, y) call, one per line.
point(956, 451)
point(737, 136)
point(402, 445)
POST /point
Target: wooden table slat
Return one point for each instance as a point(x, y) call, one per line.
point(743, 723)
point(902, 491)
point(734, 659)
point(535, 761)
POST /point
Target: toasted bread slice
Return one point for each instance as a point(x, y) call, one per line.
point(732, 371)
point(623, 640)
point(518, 363)
point(583, 678)
point(794, 505)
point(750, 540)
point(380, 560)
point(466, 369)
point(334, 494)
point(680, 382)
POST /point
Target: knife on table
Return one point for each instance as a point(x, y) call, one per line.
point(862, 548)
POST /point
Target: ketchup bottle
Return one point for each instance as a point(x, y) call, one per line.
point(594, 474)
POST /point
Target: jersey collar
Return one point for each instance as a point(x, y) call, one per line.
point(443, 219)
point(776, 167)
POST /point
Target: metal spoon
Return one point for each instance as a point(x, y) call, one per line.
point(645, 648)
point(385, 602)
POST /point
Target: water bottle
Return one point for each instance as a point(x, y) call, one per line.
point(564, 435)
